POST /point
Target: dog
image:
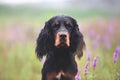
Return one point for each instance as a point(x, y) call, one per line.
point(60, 40)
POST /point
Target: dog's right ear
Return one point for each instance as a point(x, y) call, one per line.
point(42, 42)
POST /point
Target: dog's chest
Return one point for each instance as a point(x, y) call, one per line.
point(62, 61)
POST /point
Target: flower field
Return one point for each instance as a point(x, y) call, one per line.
point(101, 59)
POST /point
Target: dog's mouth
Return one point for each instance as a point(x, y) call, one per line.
point(63, 44)
point(62, 39)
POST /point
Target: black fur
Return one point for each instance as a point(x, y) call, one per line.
point(59, 58)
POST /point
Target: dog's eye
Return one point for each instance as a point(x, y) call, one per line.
point(67, 23)
point(57, 23)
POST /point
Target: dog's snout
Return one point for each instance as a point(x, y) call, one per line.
point(62, 39)
point(63, 36)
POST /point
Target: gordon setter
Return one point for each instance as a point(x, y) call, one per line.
point(60, 40)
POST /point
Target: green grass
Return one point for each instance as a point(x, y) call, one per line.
point(19, 62)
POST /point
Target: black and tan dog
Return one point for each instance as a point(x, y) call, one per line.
point(60, 40)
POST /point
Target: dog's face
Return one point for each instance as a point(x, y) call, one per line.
point(60, 32)
point(62, 27)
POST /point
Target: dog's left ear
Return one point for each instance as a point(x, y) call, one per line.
point(81, 46)
point(44, 41)
point(79, 40)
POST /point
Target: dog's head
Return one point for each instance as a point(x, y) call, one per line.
point(61, 31)
point(62, 27)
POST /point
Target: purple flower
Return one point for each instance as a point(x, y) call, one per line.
point(118, 48)
point(106, 40)
point(95, 62)
point(86, 68)
point(116, 54)
point(118, 79)
point(88, 54)
point(111, 30)
point(97, 40)
point(91, 33)
point(77, 77)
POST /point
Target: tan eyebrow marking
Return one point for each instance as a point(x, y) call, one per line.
point(67, 22)
point(57, 23)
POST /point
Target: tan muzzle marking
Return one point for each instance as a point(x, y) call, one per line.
point(57, 38)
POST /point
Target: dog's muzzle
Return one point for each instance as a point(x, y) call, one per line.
point(62, 39)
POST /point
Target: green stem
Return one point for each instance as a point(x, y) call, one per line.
point(93, 75)
point(85, 77)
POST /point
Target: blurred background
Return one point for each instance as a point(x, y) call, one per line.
point(21, 22)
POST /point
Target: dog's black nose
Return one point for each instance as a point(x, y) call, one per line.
point(63, 36)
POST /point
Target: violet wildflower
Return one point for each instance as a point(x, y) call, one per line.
point(86, 68)
point(97, 40)
point(111, 30)
point(107, 41)
point(88, 55)
point(116, 54)
point(77, 77)
point(91, 33)
point(95, 62)
point(118, 48)
point(118, 79)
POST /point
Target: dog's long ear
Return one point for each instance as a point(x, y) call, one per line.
point(81, 45)
point(78, 40)
point(43, 41)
